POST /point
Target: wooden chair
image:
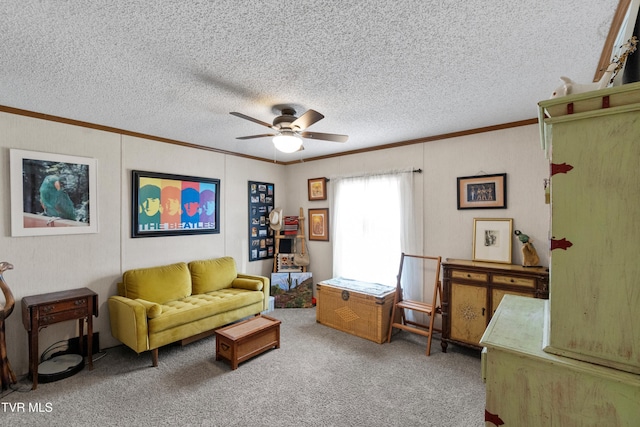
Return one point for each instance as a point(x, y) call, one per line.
point(399, 319)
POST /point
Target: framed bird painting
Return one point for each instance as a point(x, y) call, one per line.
point(52, 194)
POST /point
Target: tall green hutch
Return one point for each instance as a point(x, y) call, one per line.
point(574, 360)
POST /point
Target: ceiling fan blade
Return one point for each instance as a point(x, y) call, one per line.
point(307, 119)
point(251, 119)
point(325, 136)
point(264, 135)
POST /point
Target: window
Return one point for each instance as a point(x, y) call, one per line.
point(367, 232)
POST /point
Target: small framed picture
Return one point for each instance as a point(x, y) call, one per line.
point(317, 189)
point(319, 224)
point(482, 192)
point(492, 239)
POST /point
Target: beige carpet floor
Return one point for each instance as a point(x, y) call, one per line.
point(319, 377)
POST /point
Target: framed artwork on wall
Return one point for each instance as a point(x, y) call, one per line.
point(261, 240)
point(482, 192)
point(492, 239)
point(52, 194)
point(317, 189)
point(319, 224)
point(174, 205)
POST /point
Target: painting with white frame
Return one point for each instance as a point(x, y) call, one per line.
point(52, 194)
point(492, 239)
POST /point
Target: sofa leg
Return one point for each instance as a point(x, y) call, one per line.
point(154, 357)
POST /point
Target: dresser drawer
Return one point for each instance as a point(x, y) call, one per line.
point(61, 306)
point(468, 275)
point(61, 316)
point(514, 281)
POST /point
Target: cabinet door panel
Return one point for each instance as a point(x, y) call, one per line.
point(468, 312)
point(595, 206)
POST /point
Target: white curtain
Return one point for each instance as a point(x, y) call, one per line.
point(373, 222)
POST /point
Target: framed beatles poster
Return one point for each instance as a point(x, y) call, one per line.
point(174, 205)
point(261, 240)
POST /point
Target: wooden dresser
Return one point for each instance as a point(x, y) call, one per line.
point(472, 291)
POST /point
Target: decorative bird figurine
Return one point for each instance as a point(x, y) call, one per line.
point(7, 376)
point(523, 237)
point(529, 255)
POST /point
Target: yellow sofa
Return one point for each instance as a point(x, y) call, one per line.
point(160, 305)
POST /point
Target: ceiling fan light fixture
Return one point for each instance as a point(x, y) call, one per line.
point(287, 142)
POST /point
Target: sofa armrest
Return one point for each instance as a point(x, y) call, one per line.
point(153, 309)
point(128, 320)
point(266, 286)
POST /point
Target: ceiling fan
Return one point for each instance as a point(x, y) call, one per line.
point(289, 129)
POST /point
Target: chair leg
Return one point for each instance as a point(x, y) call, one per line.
point(154, 357)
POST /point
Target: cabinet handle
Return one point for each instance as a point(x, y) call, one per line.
point(483, 309)
point(468, 275)
point(79, 302)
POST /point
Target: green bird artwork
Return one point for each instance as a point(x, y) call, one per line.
point(55, 201)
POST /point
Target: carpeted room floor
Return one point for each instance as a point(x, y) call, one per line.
point(318, 377)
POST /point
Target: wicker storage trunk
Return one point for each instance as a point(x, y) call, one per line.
point(358, 308)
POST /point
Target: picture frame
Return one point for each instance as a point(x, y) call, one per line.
point(482, 191)
point(319, 224)
point(173, 205)
point(52, 194)
point(261, 236)
point(317, 189)
point(492, 239)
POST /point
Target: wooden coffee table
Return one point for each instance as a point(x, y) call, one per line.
point(244, 340)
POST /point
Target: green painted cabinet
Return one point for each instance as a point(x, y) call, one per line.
point(575, 359)
point(528, 387)
point(595, 232)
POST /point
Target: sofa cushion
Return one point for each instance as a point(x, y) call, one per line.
point(200, 306)
point(158, 284)
point(212, 274)
point(248, 284)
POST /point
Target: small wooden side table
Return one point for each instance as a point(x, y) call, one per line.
point(243, 340)
point(39, 311)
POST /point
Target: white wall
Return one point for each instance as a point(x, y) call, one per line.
point(446, 230)
point(53, 263)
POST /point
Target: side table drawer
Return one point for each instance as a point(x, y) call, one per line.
point(57, 307)
point(458, 274)
point(48, 319)
point(514, 281)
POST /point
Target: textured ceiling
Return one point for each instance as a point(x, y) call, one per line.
point(380, 71)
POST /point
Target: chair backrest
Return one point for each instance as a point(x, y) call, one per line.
point(429, 263)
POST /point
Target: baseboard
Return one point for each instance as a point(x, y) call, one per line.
point(74, 345)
